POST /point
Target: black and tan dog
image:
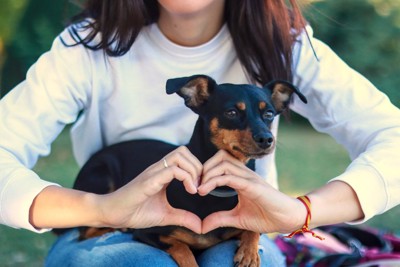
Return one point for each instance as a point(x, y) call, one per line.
point(235, 118)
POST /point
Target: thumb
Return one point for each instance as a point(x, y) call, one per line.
point(184, 218)
point(219, 219)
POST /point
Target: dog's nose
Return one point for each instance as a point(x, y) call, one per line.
point(264, 140)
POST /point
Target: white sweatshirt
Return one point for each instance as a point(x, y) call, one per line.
point(114, 99)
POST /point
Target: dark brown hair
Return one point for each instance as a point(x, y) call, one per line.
point(263, 31)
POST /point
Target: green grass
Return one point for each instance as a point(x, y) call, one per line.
point(306, 160)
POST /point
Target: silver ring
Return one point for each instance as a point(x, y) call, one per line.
point(165, 163)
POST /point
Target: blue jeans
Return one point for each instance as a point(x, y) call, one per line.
point(118, 249)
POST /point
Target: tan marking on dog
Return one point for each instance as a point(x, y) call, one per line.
point(281, 94)
point(180, 252)
point(194, 240)
point(197, 91)
point(241, 106)
point(228, 139)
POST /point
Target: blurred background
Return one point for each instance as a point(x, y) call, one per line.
point(365, 33)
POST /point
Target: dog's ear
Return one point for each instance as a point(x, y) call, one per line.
point(281, 92)
point(195, 90)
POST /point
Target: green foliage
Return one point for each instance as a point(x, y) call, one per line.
point(32, 35)
point(10, 11)
point(365, 34)
point(388, 8)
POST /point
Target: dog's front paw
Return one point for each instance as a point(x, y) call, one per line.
point(247, 257)
point(247, 253)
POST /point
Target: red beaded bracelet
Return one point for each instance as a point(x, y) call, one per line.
point(307, 203)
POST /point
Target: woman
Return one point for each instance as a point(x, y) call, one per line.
point(106, 74)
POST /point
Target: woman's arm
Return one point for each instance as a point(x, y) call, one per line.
point(335, 202)
point(58, 207)
point(56, 89)
point(264, 209)
point(345, 105)
point(141, 203)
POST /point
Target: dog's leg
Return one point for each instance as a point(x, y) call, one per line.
point(180, 252)
point(247, 253)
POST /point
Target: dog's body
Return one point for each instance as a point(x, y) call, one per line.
point(235, 118)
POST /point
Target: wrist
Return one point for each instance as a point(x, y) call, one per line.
point(300, 215)
point(94, 204)
point(305, 200)
point(293, 217)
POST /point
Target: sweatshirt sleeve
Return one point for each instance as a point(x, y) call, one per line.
point(345, 105)
point(32, 115)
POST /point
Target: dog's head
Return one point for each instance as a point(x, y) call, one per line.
point(239, 117)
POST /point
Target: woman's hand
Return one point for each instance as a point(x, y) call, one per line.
point(261, 208)
point(142, 202)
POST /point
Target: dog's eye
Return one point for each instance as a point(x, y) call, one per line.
point(268, 115)
point(231, 113)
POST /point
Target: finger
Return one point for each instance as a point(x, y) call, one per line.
point(184, 218)
point(183, 158)
point(219, 219)
point(219, 157)
point(156, 181)
point(181, 175)
point(226, 168)
point(233, 181)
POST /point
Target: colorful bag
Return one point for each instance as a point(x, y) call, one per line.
point(344, 245)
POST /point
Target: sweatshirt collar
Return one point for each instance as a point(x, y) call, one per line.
point(160, 40)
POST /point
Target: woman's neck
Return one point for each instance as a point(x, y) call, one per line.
point(192, 28)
